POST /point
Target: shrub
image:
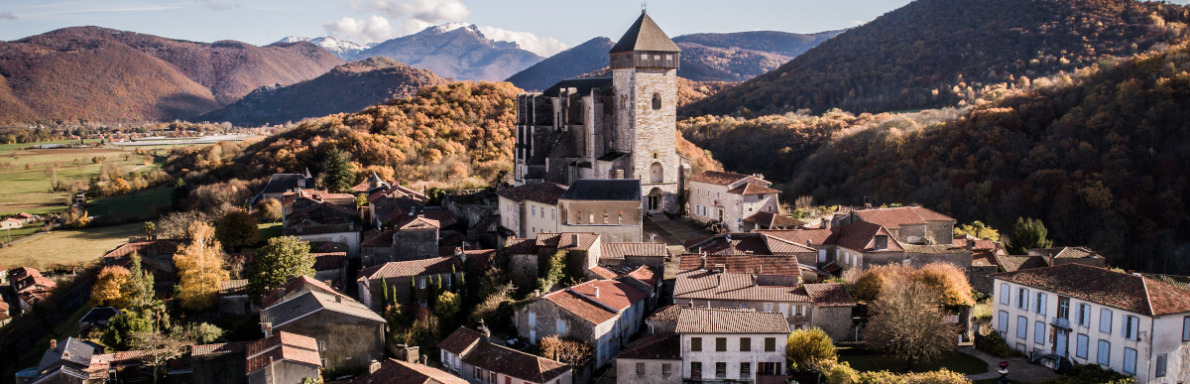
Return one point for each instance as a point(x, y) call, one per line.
point(994, 345)
point(810, 350)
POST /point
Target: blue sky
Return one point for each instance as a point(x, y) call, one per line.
point(538, 25)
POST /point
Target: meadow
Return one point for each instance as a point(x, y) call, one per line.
point(67, 247)
point(26, 177)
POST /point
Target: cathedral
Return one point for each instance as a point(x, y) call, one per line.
point(618, 127)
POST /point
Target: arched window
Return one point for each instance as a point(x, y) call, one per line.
point(656, 101)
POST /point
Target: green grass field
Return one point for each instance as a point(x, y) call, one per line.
point(864, 360)
point(68, 246)
point(143, 205)
point(25, 177)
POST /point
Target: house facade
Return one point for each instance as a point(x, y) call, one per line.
point(719, 345)
point(1138, 325)
point(602, 313)
point(467, 353)
point(730, 198)
point(349, 334)
point(609, 207)
point(530, 209)
point(283, 358)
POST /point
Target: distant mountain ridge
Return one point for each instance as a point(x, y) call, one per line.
point(458, 51)
point(934, 53)
point(718, 57)
point(342, 48)
point(349, 87)
point(99, 74)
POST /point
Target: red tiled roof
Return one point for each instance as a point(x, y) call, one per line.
point(614, 294)
point(654, 347)
point(546, 193)
point(621, 250)
point(161, 247)
point(861, 236)
point(718, 178)
point(897, 216)
point(580, 306)
point(809, 237)
point(703, 320)
point(772, 219)
point(706, 285)
point(431, 266)
point(393, 371)
point(748, 264)
point(218, 349)
point(282, 346)
point(603, 272)
point(461, 341)
point(645, 275)
point(752, 189)
point(297, 285)
point(668, 313)
point(565, 240)
point(829, 295)
point(519, 246)
point(1133, 293)
point(964, 241)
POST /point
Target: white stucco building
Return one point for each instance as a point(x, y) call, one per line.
point(730, 198)
point(530, 209)
point(1134, 324)
point(724, 344)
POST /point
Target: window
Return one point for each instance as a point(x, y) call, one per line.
point(1105, 321)
point(1039, 332)
point(745, 370)
point(721, 370)
point(768, 307)
point(770, 369)
point(1104, 353)
point(1084, 315)
point(533, 212)
point(770, 344)
point(1022, 327)
point(696, 344)
point(1130, 361)
point(1004, 297)
point(1081, 344)
point(1022, 298)
point(695, 370)
point(478, 373)
point(745, 344)
point(720, 344)
point(1131, 327)
point(321, 345)
point(1162, 362)
point(1002, 324)
point(421, 284)
point(561, 326)
point(666, 370)
point(492, 377)
point(1040, 305)
point(1186, 328)
point(640, 369)
point(532, 319)
point(656, 101)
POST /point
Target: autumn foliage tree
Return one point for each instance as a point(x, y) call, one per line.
point(908, 321)
point(201, 268)
point(237, 229)
point(108, 288)
point(269, 210)
point(575, 353)
point(810, 350)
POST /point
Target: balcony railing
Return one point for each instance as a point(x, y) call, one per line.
point(1060, 322)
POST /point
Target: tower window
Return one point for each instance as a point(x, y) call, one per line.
point(656, 101)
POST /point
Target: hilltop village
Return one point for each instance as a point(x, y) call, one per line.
point(607, 260)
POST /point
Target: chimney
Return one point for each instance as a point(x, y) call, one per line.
point(574, 239)
point(53, 344)
point(703, 257)
point(373, 366)
point(536, 293)
point(596, 292)
point(881, 242)
point(338, 299)
point(619, 173)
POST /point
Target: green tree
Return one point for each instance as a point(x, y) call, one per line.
point(338, 172)
point(237, 229)
point(275, 263)
point(448, 305)
point(137, 291)
point(979, 230)
point(1028, 233)
point(151, 230)
point(122, 330)
point(555, 273)
point(810, 350)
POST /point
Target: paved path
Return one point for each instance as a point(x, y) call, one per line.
point(1019, 369)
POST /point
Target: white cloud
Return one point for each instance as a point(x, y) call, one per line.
point(429, 11)
point(542, 46)
point(7, 16)
point(373, 29)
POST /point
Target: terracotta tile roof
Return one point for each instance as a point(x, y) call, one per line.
point(398, 372)
point(614, 294)
point(1129, 292)
point(718, 178)
point(431, 266)
point(621, 250)
point(752, 189)
point(604, 273)
point(233, 287)
point(581, 306)
point(330, 260)
point(546, 193)
point(1013, 263)
point(772, 219)
point(645, 275)
point(379, 238)
point(515, 363)
point(218, 349)
point(282, 346)
point(808, 237)
point(519, 246)
point(703, 320)
point(983, 258)
point(861, 236)
point(705, 285)
point(461, 341)
point(746, 264)
point(297, 286)
point(780, 246)
point(654, 347)
point(935, 249)
point(668, 313)
point(964, 241)
point(1065, 252)
point(829, 295)
point(898, 216)
point(144, 248)
point(565, 240)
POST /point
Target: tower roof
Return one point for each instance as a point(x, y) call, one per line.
point(645, 35)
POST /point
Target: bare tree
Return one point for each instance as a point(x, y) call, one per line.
point(908, 321)
point(159, 350)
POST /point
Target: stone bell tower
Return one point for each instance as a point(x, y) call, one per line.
point(644, 67)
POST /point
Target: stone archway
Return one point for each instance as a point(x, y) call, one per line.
point(656, 200)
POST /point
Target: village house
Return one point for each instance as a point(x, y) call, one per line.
point(64, 362)
point(752, 243)
point(393, 371)
point(765, 284)
point(1135, 324)
point(314, 220)
point(234, 300)
point(283, 358)
point(407, 282)
point(349, 334)
point(653, 359)
point(608, 207)
point(30, 287)
point(912, 225)
point(469, 354)
point(861, 245)
point(731, 198)
point(601, 313)
point(530, 209)
point(722, 344)
point(281, 183)
point(527, 258)
point(219, 363)
point(156, 257)
point(11, 223)
point(618, 127)
point(412, 238)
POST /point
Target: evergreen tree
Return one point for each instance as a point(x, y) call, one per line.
point(1028, 233)
point(338, 172)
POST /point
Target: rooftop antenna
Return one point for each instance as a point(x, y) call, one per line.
point(644, 6)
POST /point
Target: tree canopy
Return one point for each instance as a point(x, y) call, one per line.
point(275, 263)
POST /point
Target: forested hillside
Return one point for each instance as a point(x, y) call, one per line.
point(936, 53)
point(347, 88)
point(1100, 158)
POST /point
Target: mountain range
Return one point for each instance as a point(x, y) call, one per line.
point(933, 53)
point(456, 51)
point(347, 88)
point(92, 73)
point(344, 49)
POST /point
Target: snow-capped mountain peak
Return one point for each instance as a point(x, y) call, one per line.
point(341, 48)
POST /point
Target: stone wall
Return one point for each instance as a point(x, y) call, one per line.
point(980, 279)
point(350, 342)
point(836, 321)
point(283, 372)
point(415, 244)
point(654, 371)
point(942, 231)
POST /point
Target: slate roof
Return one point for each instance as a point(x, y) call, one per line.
point(98, 314)
point(71, 351)
point(772, 219)
point(546, 193)
point(310, 301)
point(603, 190)
point(394, 371)
point(704, 320)
point(282, 182)
point(706, 285)
point(282, 346)
point(514, 363)
point(644, 35)
point(898, 216)
point(718, 178)
point(654, 347)
point(461, 341)
point(1139, 294)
